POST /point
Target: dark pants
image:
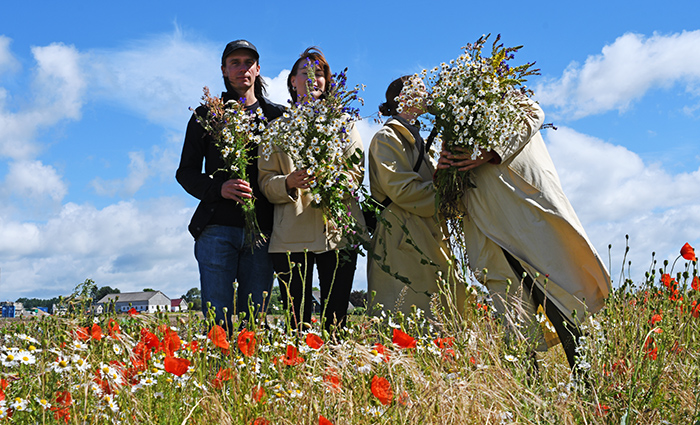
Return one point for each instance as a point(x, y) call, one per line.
point(569, 333)
point(336, 270)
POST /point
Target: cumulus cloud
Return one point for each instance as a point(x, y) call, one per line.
point(129, 245)
point(158, 78)
point(623, 72)
point(8, 63)
point(58, 89)
point(32, 179)
point(614, 193)
point(277, 88)
point(59, 82)
point(139, 171)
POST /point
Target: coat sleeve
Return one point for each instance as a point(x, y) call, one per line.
point(272, 177)
point(189, 173)
point(393, 172)
point(531, 123)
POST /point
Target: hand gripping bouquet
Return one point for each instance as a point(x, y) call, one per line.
point(237, 134)
point(315, 134)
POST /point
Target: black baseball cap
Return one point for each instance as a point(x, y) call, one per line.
point(239, 44)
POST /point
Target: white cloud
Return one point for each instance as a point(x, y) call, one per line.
point(277, 88)
point(139, 172)
point(158, 78)
point(59, 82)
point(58, 87)
point(624, 72)
point(34, 180)
point(128, 245)
point(8, 63)
point(615, 193)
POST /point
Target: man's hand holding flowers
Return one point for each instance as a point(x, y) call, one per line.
point(237, 189)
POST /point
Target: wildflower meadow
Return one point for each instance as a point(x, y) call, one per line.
point(638, 364)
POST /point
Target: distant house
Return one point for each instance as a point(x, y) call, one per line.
point(178, 304)
point(143, 302)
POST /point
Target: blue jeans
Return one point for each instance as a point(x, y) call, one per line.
point(224, 258)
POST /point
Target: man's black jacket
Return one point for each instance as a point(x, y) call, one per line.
point(206, 186)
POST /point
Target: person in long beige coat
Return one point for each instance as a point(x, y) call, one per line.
point(299, 232)
point(518, 219)
point(421, 252)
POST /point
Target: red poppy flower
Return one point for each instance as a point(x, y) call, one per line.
point(171, 342)
point(61, 413)
point(62, 408)
point(217, 335)
point(688, 252)
point(83, 334)
point(654, 319)
point(3, 386)
point(246, 342)
point(133, 312)
point(193, 346)
point(314, 341)
point(150, 339)
point(332, 379)
point(402, 339)
point(324, 421)
point(222, 376)
point(96, 332)
point(696, 283)
point(667, 280)
point(260, 421)
point(113, 328)
point(103, 383)
point(258, 393)
point(602, 410)
point(291, 358)
point(382, 390)
point(444, 342)
point(695, 309)
point(141, 355)
point(176, 365)
point(651, 348)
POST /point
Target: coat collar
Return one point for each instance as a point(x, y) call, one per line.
point(405, 132)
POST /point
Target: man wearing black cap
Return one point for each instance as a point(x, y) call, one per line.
point(218, 224)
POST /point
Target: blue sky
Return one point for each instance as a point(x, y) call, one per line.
point(94, 102)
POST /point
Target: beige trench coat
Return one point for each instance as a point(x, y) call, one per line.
point(519, 205)
point(391, 161)
point(297, 225)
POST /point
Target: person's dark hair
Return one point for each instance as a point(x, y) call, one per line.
point(312, 54)
point(389, 108)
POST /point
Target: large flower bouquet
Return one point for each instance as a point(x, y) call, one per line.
point(476, 101)
point(315, 134)
point(477, 104)
point(237, 133)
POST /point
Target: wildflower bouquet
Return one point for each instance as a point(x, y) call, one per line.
point(237, 134)
point(475, 100)
point(315, 134)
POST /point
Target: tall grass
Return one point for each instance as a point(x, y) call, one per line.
point(638, 364)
